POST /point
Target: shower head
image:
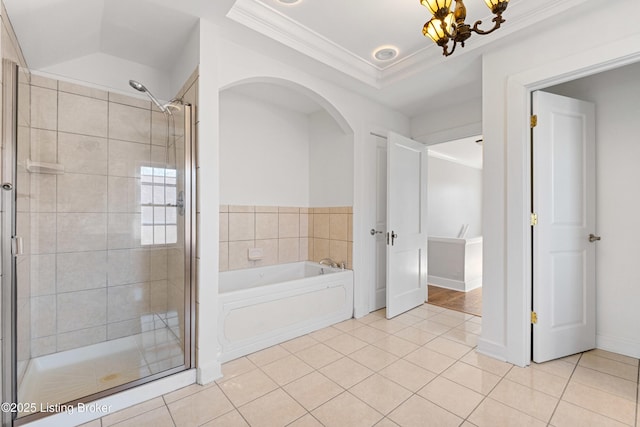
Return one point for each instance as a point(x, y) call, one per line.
point(140, 87)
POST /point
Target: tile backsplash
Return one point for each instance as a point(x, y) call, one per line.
point(285, 234)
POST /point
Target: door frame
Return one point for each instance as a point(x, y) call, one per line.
point(518, 257)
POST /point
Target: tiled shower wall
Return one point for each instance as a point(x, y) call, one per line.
point(286, 234)
point(91, 279)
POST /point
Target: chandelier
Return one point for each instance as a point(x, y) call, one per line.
point(447, 28)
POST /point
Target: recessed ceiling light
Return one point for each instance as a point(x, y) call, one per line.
point(385, 53)
point(289, 1)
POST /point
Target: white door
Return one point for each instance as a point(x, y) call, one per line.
point(406, 224)
point(564, 200)
point(379, 232)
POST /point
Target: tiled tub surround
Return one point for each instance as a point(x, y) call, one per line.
point(91, 279)
point(286, 234)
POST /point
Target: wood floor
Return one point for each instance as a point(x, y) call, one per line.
point(466, 302)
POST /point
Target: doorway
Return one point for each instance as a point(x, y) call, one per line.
point(615, 93)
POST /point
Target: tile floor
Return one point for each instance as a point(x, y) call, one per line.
point(419, 369)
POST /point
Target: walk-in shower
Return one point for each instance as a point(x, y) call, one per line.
point(98, 224)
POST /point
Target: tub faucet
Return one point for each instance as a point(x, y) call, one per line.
point(328, 262)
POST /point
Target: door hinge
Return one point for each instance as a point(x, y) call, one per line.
point(534, 317)
point(534, 120)
point(534, 219)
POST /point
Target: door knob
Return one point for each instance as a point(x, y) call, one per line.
point(594, 238)
point(373, 232)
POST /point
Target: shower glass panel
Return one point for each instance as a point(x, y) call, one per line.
point(103, 283)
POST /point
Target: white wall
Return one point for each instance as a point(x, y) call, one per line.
point(330, 163)
point(455, 198)
point(448, 123)
point(264, 153)
point(616, 94)
point(525, 62)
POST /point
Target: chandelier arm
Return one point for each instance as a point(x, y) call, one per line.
point(445, 48)
point(498, 21)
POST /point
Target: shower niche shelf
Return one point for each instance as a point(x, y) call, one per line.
point(44, 167)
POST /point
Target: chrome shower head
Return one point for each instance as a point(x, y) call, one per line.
point(140, 87)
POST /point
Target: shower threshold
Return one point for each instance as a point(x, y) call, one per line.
point(73, 374)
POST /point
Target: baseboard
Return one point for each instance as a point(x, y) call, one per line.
point(209, 372)
point(492, 349)
point(454, 285)
point(618, 345)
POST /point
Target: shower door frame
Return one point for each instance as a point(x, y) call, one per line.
point(8, 303)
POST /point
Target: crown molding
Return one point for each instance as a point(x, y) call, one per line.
point(272, 23)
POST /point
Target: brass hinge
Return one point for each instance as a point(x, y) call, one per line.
point(534, 120)
point(534, 219)
point(534, 317)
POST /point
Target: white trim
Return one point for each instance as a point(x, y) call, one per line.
point(618, 345)
point(455, 285)
point(119, 401)
point(518, 239)
point(492, 349)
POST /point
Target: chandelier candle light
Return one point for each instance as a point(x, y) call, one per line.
point(447, 26)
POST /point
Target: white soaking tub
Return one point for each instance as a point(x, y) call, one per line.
point(261, 307)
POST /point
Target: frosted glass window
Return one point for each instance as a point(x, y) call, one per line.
point(158, 198)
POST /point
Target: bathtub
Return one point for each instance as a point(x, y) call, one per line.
point(261, 307)
point(455, 263)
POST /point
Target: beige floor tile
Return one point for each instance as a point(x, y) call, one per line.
point(398, 346)
point(306, 421)
point(471, 327)
point(491, 413)
point(432, 308)
point(185, 391)
point(407, 375)
point(614, 356)
point(415, 335)
point(419, 412)
point(236, 367)
point(605, 382)
point(348, 325)
point(132, 411)
point(380, 393)
point(373, 358)
point(601, 402)
point(471, 377)
point(389, 326)
point(272, 410)
point(369, 334)
point(430, 360)
point(299, 344)
point(199, 408)
point(345, 343)
point(386, 422)
point(94, 423)
point(313, 390)
point(247, 387)
point(346, 372)
point(230, 419)
point(268, 355)
point(476, 319)
point(448, 319)
point(559, 368)
point(287, 369)
point(569, 415)
point(451, 396)
point(319, 355)
point(609, 366)
point(573, 359)
point(489, 364)
point(448, 348)
point(535, 403)
point(346, 410)
point(159, 417)
point(432, 327)
point(408, 318)
point(462, 337)
point(371, 317)
point(538, 380)
point(325, 334)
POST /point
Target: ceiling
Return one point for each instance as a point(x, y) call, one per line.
point(332, 39)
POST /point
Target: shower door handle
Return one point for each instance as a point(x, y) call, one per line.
point(394, 236)
point(17, 246)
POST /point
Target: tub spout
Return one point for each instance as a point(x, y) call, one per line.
point(328, 262)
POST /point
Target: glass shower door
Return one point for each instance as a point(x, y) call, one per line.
point(103, 209)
